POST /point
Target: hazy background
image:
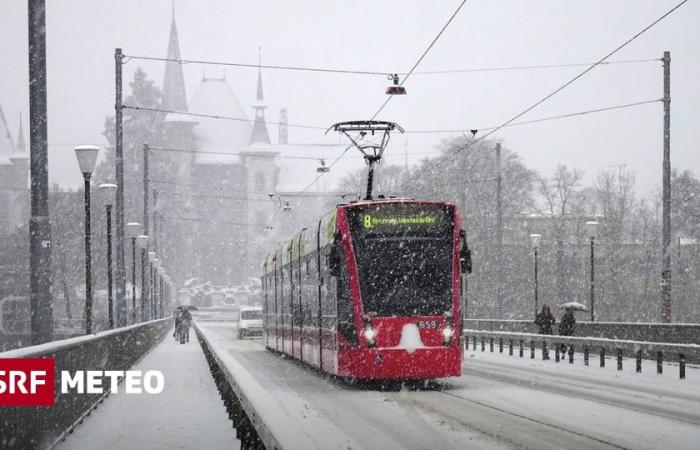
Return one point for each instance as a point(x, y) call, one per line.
point(384, 36)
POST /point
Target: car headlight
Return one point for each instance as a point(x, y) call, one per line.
point(447, 334)
point(370, 335)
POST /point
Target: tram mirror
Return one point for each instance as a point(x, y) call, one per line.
point(334, 257)
point(465, 254)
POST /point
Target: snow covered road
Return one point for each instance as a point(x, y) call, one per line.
point(499, 402)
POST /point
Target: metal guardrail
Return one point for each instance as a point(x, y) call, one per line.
point(118, 349)
point(681, 333)
point(681, 353)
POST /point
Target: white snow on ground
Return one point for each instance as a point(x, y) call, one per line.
point(668, 381)
point(621, 407)
point(337, 414)
point(188, 414)
point(277, 409)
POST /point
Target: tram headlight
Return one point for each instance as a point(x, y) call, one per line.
point(447, 334)
point(370, 335)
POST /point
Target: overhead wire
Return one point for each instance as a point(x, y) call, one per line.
point(381, 73)
point(541, 119)
point(210, 152)
point(216, 116)
point(574, 79)
point(432, 43)
point(403, 80)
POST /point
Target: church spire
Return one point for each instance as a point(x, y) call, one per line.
point(260, 135)
point(174, 94)
point(21, 146)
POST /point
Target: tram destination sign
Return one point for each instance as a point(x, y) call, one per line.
point(401, 219)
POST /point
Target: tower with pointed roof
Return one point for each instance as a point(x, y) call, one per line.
point(175, 166)
point(174, 93)
point(14, 178)
point(260, 165)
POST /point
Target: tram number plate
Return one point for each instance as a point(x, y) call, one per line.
point(427, 324)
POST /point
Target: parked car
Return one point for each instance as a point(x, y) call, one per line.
point(250, 322)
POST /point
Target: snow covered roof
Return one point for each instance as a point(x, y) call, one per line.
point(214, 96)
point(296, 174)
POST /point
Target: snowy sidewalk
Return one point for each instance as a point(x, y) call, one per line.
point(188, 414)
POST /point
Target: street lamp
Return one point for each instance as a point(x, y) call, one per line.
point(592, 229)
point(133, 229)
point(142, 243)
point(87, 158)
point(109, 190)
point(535, 239)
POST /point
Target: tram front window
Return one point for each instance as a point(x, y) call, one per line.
point(404, 258)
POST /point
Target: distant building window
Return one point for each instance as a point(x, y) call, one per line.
point(259, 182)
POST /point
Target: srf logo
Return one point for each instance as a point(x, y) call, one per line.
point(27, 381)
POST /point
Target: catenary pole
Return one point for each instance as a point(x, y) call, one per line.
point(110, 299)
point(41, 315)
point(146, 149)
point(499, 235)
point(119, 170)
point(666, 194)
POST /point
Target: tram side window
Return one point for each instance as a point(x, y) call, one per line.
point(328, 300)
point(346, 319)
point(307, 294)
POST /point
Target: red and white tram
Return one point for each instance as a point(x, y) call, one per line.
point(371, 291)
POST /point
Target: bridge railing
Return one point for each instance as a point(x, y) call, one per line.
point(118, 349)
point(566, 346)
point(680, 333)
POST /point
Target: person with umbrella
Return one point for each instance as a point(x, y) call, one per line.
point(545, 320)
point(567, 326)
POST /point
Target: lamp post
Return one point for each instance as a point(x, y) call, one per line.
point(87, 158)
point(535, 241)
point(133, 229)
point(161, 291)
point(110, 190)
point(152, 288)
point(142, 243)
point(592, 228)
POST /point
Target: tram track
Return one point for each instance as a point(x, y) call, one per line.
point(658, 402)
point(492, 405)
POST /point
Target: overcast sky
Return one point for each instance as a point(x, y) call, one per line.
point(386, 36)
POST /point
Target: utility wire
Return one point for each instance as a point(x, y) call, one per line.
point(218, 188)
point(574, 79)
point(403, 80)
point(532, 67)
point(382, 73)
point(435, 39)
point(541, 119)
point(256, 66)
point(207, 152)
point(329, 167)
point(215, 116)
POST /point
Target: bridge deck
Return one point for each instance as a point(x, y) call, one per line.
point(187, 414)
